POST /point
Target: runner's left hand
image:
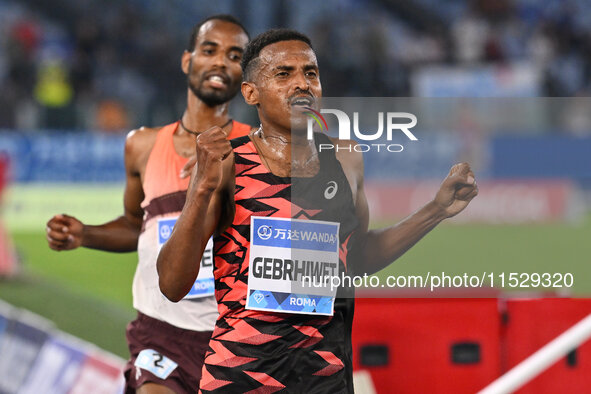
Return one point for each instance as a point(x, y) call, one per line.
point(457, 190)
point(188, 168)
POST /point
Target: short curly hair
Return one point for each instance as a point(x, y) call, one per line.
point(254, 48)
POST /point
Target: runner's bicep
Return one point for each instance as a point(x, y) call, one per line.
point(133, 194)
point(362, 211)
point(361, 204)
point(132, 199)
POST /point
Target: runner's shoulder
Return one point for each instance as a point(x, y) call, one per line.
point(141, 139)
point(138, 145)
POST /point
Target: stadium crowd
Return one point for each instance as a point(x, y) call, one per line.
point(98, 68)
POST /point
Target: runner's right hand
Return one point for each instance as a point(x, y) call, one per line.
point(212, 149)
point(64, 232)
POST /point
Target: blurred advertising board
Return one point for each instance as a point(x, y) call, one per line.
point(64, 157)
point(20, 344)
point(508, 202)
point(37, 358)
point(55, 368)
point(507, 80)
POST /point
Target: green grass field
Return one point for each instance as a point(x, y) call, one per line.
point(85, 292)
point(478, 248)
point(88, 293)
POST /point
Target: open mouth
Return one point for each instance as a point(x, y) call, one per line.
point(217, 81)
point(304, 101)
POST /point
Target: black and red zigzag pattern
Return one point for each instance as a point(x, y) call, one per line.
point(261, 352)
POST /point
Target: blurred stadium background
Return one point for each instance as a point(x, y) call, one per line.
point(76, 75)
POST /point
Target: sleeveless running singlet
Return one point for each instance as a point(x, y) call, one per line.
point(273, 351)
point(165, 194)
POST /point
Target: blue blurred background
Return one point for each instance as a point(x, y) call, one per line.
point(96, 69)
point(76, 75)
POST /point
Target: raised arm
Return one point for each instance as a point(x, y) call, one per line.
point(65, 232)
point(381, 247)
point(209, 208)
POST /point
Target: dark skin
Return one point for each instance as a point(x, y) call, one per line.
point(287, 70)
point(217, 52)
point(212, 68)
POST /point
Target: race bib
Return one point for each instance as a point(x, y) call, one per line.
point(204, 285)
point(291, 265)
point(155, 362)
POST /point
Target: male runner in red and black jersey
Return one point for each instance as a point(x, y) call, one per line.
point(167, 341)
point(272, 339)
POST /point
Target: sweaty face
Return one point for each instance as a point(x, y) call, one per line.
point(287, 81)
point(214, 72)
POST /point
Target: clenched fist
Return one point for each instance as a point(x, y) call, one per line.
point(457, 190)
point(64, 232)
point(212, 149)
